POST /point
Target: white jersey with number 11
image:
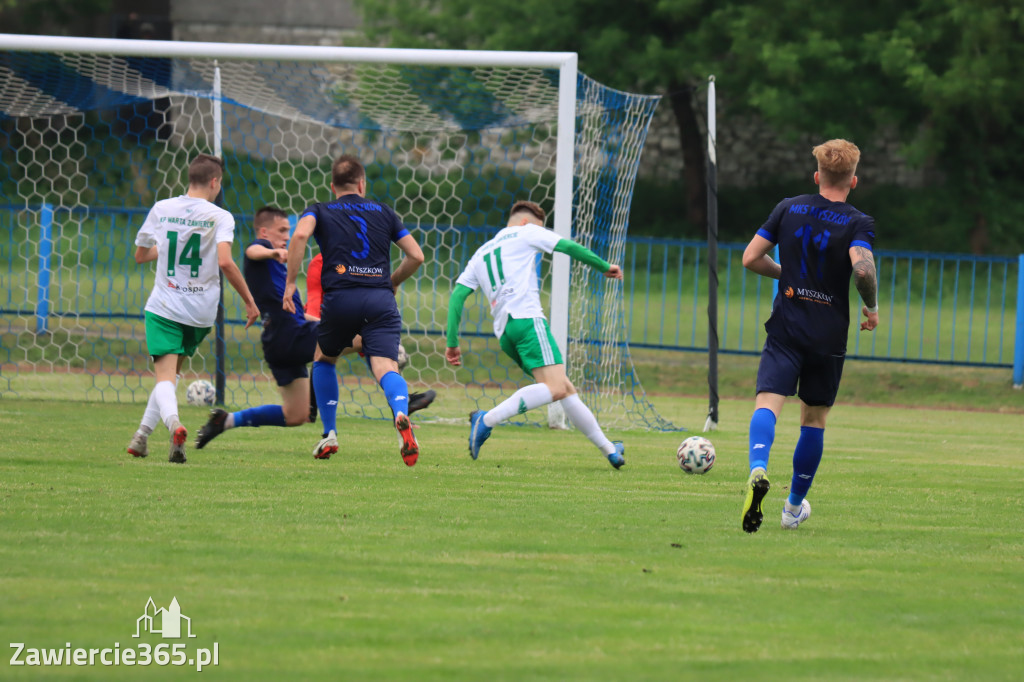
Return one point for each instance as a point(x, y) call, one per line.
point(505, 269)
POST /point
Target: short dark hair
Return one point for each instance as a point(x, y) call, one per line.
point(204, 168)
point(528, 207)
point(267, 215)
point(347, 170)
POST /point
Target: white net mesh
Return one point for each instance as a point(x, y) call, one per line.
point(89, 142)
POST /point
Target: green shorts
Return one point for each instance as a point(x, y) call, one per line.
point(530, 343)
point(167, 337)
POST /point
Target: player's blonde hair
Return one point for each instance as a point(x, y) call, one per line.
point(837, 161)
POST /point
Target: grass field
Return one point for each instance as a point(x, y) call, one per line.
point(536, 562)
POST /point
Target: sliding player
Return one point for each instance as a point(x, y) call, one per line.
point(288, 338)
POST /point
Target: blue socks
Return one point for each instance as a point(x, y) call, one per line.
point(806, 459)
point(325, 385)
point(396, 391)
point(264, 415)
point(762, 435)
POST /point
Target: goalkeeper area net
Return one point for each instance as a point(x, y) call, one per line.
point(94, 131)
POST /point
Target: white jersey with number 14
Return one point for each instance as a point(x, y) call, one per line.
point(505, 269)
point(186, 231)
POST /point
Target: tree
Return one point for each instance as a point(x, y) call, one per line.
point(960, 63)
point(644, 45)
point(943, 72)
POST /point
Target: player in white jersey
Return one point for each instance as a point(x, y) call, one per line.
point(190, 239)
point(505, 270)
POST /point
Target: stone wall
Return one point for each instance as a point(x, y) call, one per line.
point(748, 151)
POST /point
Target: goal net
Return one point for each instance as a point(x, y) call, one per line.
point(93, 132)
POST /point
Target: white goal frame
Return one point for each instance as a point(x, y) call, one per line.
point(565, 62)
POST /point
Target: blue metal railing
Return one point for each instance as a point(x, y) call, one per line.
point(953, 309)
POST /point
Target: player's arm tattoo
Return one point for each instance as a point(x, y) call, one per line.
point(864, 276)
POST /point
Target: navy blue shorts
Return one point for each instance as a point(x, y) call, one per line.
point(371, 312)
point(784, 367)
point(288, 358)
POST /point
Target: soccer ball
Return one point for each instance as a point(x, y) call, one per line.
point(696, 455)
point(200, 393)
point(403, 357)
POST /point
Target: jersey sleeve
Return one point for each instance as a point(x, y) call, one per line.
point(313, 211)
point(398, 229)
point(225, 228)
point(468, 276)
point(147, 233)
point(770, 229)
point(864, 234)
point(540, 238)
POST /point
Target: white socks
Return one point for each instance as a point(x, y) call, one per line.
point(584, 420)
point(526, 398)
point(151, 417)
point(166, 402)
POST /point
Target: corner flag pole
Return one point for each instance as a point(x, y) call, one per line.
point(712, 421)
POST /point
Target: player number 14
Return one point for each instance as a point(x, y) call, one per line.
point(189, 254)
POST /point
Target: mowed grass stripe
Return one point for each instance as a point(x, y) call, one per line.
point(536, 562)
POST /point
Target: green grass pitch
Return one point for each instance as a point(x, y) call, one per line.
point(536, 562)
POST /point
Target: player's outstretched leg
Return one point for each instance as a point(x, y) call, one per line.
point(420, 401)
point(410, 448)
point(793, 516)
point(213, 427)
point(179, 434)
point(757, 488)
point(478, 432)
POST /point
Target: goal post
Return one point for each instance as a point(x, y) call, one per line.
point(99, 129)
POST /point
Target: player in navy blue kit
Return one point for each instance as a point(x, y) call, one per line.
point(355, 236)
point(288, 339)
point(822, 242)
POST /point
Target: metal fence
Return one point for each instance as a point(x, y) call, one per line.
point(937, 308)
point(954, 309)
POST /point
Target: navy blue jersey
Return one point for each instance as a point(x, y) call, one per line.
point(355, 235)
point(266, 280)
point(814, 236)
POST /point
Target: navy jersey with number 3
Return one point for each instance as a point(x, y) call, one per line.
point(355, 236)
point(814, 236)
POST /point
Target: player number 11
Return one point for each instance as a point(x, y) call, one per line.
point(497, 262)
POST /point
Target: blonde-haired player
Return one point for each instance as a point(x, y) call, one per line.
point(822, 241)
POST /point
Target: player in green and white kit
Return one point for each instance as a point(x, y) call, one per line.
point(504, 268)
point(190, 239)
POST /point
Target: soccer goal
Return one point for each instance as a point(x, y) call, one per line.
point(93, 131)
